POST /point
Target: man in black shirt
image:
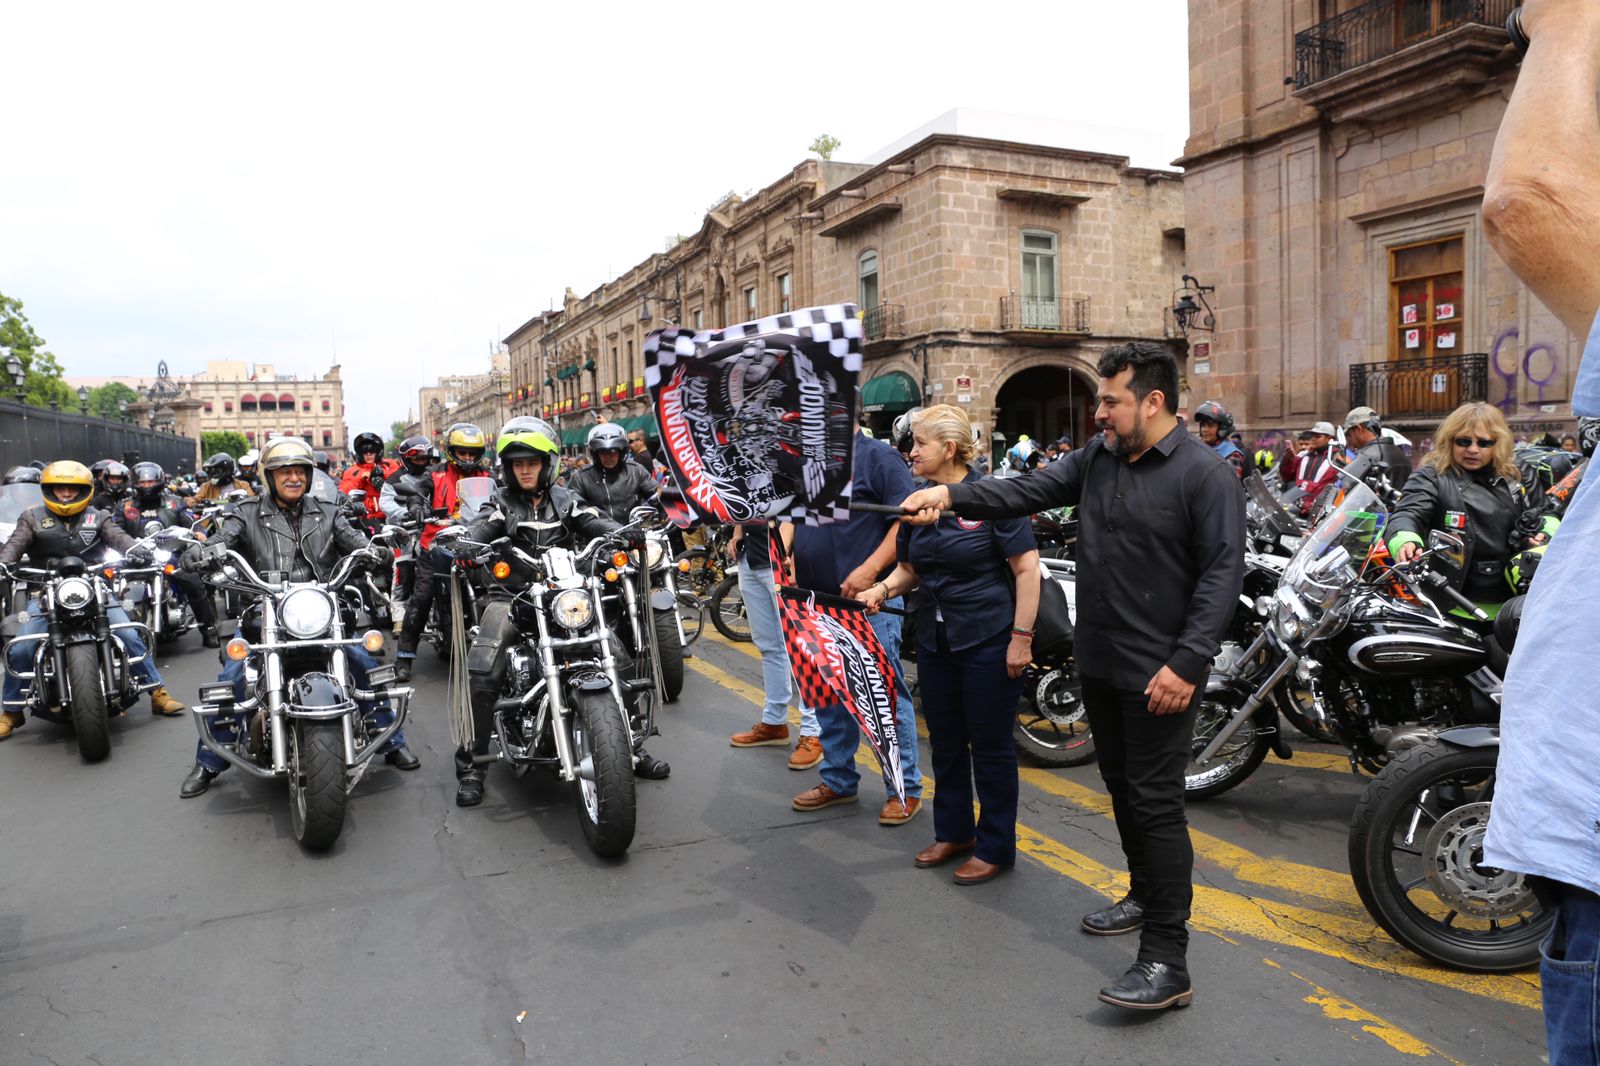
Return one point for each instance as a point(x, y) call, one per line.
point(1160, 568)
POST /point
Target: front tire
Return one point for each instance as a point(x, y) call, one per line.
point(89, 719)
point(318, 790)
point(1237, 759)
point(671, 649)
point(1052, 726)
point(727, 610)
point(607, 807)
point(1416, 856)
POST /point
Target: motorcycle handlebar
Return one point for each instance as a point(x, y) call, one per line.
point(1441, 584)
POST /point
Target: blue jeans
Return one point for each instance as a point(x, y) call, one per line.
point(761, 605)
point(970, 705)
point(841, 736)
point(223, 726)
point(20, 658)
point(1568, 966)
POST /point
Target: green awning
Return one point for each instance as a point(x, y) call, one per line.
point(894, 392)
point(574, 438)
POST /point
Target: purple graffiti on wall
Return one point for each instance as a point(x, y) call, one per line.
point(1510, 367)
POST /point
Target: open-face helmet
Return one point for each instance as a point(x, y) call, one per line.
point(284, 452)
point(70, 474)
point(526, 437)
point(900, 435)
point(1215, 412)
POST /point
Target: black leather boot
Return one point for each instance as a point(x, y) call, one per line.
point(469, 788)
point(209, 638)
point(198, 781)
point(1124, 916)
point(650, 767)
point(1150, 986)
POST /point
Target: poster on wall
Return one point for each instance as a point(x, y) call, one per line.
point(1444, 310)
point(1446, 339)
point(1413, 338)
point(1408, 313)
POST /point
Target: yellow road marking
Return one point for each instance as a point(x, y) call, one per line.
point(1340, 1009)
point(1225, 914)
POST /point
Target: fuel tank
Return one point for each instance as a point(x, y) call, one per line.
point(1403, 649)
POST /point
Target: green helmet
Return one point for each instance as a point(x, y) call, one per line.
point(526, 437)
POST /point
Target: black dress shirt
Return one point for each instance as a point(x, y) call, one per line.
point(1160, 551)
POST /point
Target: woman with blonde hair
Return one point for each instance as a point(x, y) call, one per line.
point(974, 639)
point(1468, 485)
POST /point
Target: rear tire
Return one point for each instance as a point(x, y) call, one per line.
point(318, 789)
point(1052, 726)
point(727, 610)
point(607, 806)
point(89, 719)
point(671, 655)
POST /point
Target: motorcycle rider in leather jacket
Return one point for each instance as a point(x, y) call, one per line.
point(531, 459)
point(288, 531)
point(114, 486)
point(610, 483)
point(1363, 432)
point(221, 478)
point(65, 526)
point(151, 502)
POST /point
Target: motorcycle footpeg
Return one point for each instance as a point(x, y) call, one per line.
point(487, 760)
point(638, 684)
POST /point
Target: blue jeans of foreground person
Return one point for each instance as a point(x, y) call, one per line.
point(20, 658)
point(761, 607)
point(222, 726)
point(1569, 972)
point(970, 705)
point(841, 736)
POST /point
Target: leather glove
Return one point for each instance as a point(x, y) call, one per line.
point(373, 556)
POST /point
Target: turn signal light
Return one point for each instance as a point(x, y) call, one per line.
point(683, 566)
point(109, 573)
point(372, 640)
point(238, 649)
point(169, 569)
point(502, 570)
point(619, 560)
point(611, 577)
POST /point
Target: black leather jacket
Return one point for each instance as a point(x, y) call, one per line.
point(614, 492)
point(562, 520)
point(1482, 508)
point(43, 538)
point(265, 535)
point(132, 516)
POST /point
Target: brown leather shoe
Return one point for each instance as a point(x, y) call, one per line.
point(806, 754)
point(10, 722)
point(761, 736)
point(163, 703)
point(894, 814)
point(942, 851)
point(814, 799)
point(975, 871)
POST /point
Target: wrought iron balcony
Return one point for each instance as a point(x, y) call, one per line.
point(882, 323)
point(1420, 388)
point(1067, 315)
point(1383, 27)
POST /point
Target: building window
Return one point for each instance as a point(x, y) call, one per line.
point(1040, 309)
point(227, 407)
point(326, 406)
point(1425, 311)
point(305, 405)
point(696, 319)
point(208, 407)
point(630, 355)
point(785, 293)
point(327, 436)
point(306, 436)
point(867, 278)
point(750, 303)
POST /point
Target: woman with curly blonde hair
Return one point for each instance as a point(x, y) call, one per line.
point(1468, 485)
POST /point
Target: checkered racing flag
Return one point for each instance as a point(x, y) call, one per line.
point(758, 420)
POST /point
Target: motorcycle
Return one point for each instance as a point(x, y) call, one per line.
point(1386, 666)
point(14, 500)
point(472, 494)
point(563, 707)
point(299, 721)
point(81, 674)
point(145, 589)
point(1056, 533)
point(653, 580)
point(1052, 725)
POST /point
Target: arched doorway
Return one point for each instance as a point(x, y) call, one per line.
point(1046, 402)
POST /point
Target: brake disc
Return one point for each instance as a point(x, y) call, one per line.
point(1055, 700)
point(1453, 862)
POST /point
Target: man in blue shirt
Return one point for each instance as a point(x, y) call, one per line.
point(1541, 212)
point(846, 558)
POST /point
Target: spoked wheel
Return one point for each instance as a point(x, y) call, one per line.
point(1236, 760)
point(603, 750)
point(703, 572)
point(1301, 707)
point(318, 789)
point(1052, 726)
point(89, 714)
point(728, 611)
point(691, 616)
point(1416, 855)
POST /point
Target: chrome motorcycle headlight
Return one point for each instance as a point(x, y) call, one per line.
point(161, 555)
point(572, 609)
point(306, 613)
point(74, 594)
point(1287, 623)
point(655, 555)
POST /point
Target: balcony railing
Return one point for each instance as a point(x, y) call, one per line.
point(1420, 388)
point(1067, 315)
point(1381, 28)
point(884, 322)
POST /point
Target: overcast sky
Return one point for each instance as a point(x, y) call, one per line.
point(405, 184)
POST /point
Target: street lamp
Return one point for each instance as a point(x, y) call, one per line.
point(18, 375)
point(83, 399)
point(1191, 311)
point(122, 410)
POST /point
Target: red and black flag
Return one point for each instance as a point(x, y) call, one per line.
point(837, 658)
point(758, 420)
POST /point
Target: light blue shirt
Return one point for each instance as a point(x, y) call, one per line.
point(1546, 814)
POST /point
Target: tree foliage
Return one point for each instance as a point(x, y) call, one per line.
point(103, 401)
point(397, 434)
point(824, 146)
point(231, 441)
point(42, 382)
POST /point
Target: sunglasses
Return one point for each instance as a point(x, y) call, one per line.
point(1467, 442)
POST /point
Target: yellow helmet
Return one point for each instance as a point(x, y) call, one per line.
point(464, 447)
point(67, 473)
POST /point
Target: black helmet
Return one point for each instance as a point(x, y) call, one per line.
point(416, 453)
point(1212, 411)
point(324, 461)
point(1506, 623)
point(526, 437)
point(607, 437)
point(220, 468)
point(19, 475)
point(98, 470)
point(900, 435)
point(149, 481)
point(366, 442)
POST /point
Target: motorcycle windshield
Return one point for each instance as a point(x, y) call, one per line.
point(1271, 511)
point(14, 499)
point(324, 487)
point(1334, 554)
point(473, 493)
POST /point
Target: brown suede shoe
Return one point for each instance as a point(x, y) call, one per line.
point(894, 814)
point(942, 851)
point(10, 722)
point(163, 703)
point(762, 735)
point(975, 872)
point(806, 754)
point(815, 799)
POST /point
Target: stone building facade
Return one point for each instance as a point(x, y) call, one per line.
point(1333, 184)
point(482, 399)
point(990, 274)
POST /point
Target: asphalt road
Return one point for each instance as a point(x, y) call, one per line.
point(136, 927)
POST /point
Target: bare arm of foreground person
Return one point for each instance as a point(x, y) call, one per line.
point(1541, 208)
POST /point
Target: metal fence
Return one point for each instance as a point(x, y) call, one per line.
point(1381, 28)
point(1067, 315)
point(885, 322)
point(29, 433)
point(1420, 388)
